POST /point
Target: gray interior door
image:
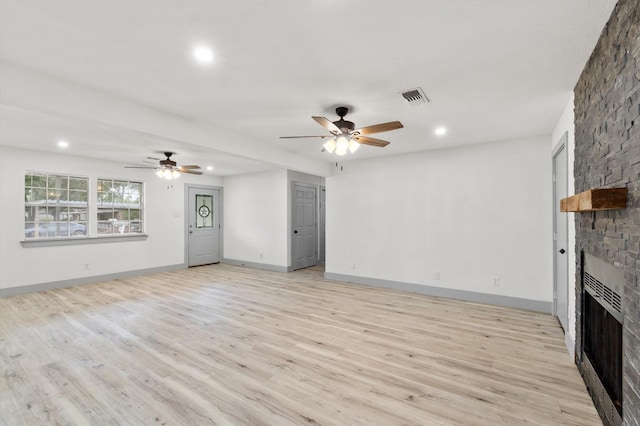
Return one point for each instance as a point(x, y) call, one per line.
point(305, 227)
point(561, 263)
point(203, 226)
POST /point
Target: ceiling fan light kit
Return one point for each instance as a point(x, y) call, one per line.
point(344, 135)
point(341, 144)
point(168, 173)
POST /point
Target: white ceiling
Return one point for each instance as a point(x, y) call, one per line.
point(493, 69)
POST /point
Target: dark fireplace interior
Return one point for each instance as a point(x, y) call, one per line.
point(602, 331)
point(603, 347)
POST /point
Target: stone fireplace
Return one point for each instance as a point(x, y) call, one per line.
point(607, 155)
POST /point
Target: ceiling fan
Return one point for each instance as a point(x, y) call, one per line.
point(344, 135)
point(168, 168)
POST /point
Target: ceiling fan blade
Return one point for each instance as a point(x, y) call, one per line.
point(327, 125)
point(190, 166)
point(365, 140)
point(297, 137)
point(154, 158)
point(379, 128)
point(139, 167)
point(193, 172)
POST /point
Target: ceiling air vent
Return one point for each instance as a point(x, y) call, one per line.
point(415, 96)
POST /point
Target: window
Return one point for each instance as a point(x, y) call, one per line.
point(54, 205)
point(204, 211)
point(119, 207)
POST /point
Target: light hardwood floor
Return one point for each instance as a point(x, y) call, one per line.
point(227, 345)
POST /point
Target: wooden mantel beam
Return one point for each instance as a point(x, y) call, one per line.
point(595, 199)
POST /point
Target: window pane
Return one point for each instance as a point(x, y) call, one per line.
point(78, 196)
point(105, 198)
point(58, 182)
point(55, 213)
point(29, 229)
point(36, 195)
point(39, 181)
point(105, 214)
point(136, 188)
point(122, 214)
point(29, 213)
point(77, 215)
point(135, 226)
point(78, 183)
point(105, 185)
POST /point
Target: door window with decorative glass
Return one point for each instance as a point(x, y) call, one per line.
point(120, 207)
point(204, 211)
point(55, 206)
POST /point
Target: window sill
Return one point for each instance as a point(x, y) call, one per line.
point(72, 241)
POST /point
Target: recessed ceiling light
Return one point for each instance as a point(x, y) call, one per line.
point(440, 131)
point(203, 54)
point(63, 144)
point(209, 168)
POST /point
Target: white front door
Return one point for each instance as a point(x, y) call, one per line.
point(304, 251)
point(203, 226)
point(560, 243)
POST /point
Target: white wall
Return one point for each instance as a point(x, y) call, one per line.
point(164, 215)
point(255, 218)
point(566, 124)
point(470, 213)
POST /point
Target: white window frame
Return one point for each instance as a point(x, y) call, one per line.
point(39, 219)
point(118, 227)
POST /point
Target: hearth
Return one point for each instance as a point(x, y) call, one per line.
point(602, 349)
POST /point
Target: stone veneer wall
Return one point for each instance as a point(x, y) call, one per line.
point(607, 154)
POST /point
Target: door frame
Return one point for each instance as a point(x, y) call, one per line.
point(187, 186)
point(322, 214)
point(292, 225)
point(557, 215)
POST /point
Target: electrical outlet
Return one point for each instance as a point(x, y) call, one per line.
point(353, 265)
point(495, 281)
point(261, 255)
point(85, 266)
point(436, 276)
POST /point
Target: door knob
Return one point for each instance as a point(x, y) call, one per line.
point(561, 251)
point(295, 232)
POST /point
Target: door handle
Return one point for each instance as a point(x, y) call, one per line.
point(191, 232)
point(561, 251)
point(295, 232)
